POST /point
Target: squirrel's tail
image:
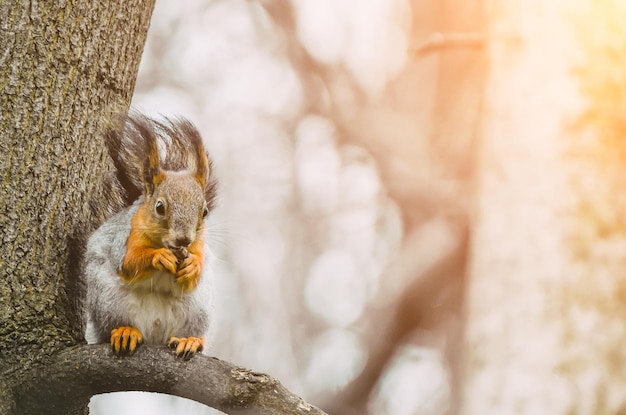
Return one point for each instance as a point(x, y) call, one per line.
point(134, 138)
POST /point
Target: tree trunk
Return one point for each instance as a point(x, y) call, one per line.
point(64, 67)
point(546, 302)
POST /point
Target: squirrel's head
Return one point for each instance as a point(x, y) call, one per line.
point(178, 205)
point(178, 200)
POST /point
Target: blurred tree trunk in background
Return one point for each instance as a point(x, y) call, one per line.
point(64, 67)
point(546, 301)
point(426, 157)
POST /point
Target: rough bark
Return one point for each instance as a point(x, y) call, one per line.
point(546, 301)
point(65, 67)
point(92, 369)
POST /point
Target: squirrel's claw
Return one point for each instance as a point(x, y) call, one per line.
point(164, 260)
point(125, 339)
point(188, 274)
point(186, 347)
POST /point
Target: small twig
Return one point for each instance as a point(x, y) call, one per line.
point(438, 41)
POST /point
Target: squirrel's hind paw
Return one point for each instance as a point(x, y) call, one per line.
point(186, 347)
point(125, 339)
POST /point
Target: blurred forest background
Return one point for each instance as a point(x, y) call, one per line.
point(342, 134)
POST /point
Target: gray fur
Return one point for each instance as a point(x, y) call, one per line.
point(154, 307)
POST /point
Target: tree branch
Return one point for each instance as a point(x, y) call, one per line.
point(77, 373)
point(438, 41)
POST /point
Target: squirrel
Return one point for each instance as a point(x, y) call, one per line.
point(144, 266)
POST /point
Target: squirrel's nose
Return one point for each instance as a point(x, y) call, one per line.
point(182, 242)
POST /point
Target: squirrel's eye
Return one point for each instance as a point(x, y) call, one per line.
point(159, 207)
point(205, 212)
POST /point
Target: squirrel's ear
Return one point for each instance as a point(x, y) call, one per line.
point(152, 173)
point(202, 163)
point(145, 141)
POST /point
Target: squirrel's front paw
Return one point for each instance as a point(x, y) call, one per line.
point(125, 339)
point(186, 347)
point(188, 274)
point(164, 260)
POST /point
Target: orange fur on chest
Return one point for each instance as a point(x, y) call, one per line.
point(140, 251)
point(144, 256)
